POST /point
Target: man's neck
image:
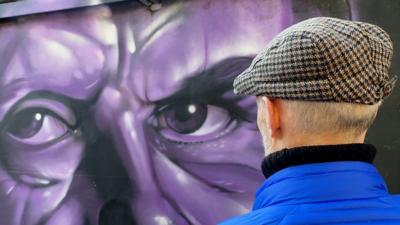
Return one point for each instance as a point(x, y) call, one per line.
point(297, 140)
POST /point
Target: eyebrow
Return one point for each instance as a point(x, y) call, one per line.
point(216, 80)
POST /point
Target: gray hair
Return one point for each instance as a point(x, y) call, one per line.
point(321, 117)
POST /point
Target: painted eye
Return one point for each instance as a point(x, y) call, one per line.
point(185, 119)
point(193, 122)
point(36, 126)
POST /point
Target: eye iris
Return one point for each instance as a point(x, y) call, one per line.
point(186, 118)
point(26, 123)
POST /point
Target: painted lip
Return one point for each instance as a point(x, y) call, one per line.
point(33, 180)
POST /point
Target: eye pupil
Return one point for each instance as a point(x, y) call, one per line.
point(186, 118)
point(26, 123)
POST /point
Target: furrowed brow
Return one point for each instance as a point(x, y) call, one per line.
point(216, 80)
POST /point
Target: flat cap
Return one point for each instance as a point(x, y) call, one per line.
point(323, 59)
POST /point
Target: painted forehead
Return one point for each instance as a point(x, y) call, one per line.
point(65, 53)
point(183, 40)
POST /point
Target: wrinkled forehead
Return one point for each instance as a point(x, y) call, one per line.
point(184, 39)
point(67, 53)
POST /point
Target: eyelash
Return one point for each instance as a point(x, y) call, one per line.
point(46, 111)
point(231, 106)
point(235, 111)
point(42, 110)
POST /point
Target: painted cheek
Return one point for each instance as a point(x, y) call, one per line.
point(45, 174)
point(209, 169)
point(241, 146)
point(178, 184)
point(46, 165)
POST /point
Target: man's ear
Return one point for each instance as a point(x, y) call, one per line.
point(274, 120)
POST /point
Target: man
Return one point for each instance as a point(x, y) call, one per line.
point(319, 85)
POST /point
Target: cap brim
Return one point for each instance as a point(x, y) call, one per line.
point(244, 84)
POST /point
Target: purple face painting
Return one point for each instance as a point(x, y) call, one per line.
point(127, 116)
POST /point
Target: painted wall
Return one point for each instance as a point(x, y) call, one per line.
point(118, 114)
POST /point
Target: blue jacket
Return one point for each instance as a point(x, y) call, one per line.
point(323, 193)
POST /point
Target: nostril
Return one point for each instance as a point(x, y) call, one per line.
point(116, 212)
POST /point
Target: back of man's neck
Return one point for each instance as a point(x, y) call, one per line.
point(316, 140)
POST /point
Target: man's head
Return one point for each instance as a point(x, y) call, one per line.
point(319, 82)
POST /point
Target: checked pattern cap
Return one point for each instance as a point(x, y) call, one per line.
point(323, 59)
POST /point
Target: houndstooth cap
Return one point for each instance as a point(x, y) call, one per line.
point(323, 59)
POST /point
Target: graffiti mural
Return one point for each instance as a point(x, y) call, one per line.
point(124, 113)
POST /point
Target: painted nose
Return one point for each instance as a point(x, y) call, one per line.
point(148, 205)
point(124, 120)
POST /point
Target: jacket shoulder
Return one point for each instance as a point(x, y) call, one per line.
point(384, 210)
point(393, 200)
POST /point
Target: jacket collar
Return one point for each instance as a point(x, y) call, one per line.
point(317, 154)
point(321, 182)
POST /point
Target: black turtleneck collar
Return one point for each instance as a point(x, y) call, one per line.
point(316, 154)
